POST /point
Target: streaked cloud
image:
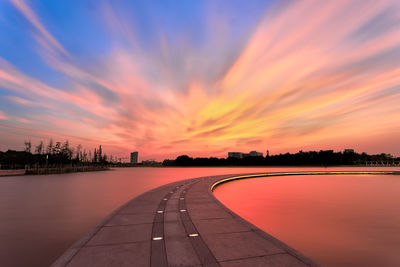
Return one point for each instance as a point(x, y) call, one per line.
point(32, 17)
point(304, 75)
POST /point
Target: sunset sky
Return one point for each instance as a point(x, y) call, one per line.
point(201, 78)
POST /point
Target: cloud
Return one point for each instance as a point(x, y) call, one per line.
point(307, 72)
point(32, 18)
point(3, 116)
point(19, 100)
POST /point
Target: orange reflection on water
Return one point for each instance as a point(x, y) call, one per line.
point(344, 220)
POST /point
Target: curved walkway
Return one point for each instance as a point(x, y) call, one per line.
point(183, 224)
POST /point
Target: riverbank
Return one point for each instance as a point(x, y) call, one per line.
point(42, 171)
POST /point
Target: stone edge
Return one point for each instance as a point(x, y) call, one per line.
point(305, 259)
point(67, 256)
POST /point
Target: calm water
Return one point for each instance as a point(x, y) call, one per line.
point(41, 216)
point(336, 220)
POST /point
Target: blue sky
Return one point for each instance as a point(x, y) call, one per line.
point(201, 77)
point(80, 27)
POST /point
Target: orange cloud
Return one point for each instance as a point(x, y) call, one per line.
point(309, 77)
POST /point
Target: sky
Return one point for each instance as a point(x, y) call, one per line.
point(201, 78)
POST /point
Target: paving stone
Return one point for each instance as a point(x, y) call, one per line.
point(241, 245)
point(174, 229)
point(203, 252)
point(158, 254)
point(171, 216)
point(197, 194)
point(157, 230)
point(204, 213)
point(172, 205)
point(175, 196)
point(192, 201)
point(67, 256)
point(283, 260)
point(223, 225)
point(205, 205)
point(197, 200)
point(198, 188)
point(211, 265)
point(159, 217)
point(81, 242)
point(276, 260)
point(121, 234)
point(189, 227)
point(249, 262)
point(126, 238)
point(134, 254)
point(180, 252)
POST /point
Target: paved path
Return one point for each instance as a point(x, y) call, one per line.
point(182, 224)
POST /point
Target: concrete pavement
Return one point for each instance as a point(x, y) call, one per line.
point(182, 224)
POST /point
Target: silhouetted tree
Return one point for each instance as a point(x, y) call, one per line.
point(28, 146)
point(84, 156)
point(78, 154)
point(311, 158)
point(50, 147)
point(66, 151)
point(39, 148)
point(57, 148)
point(95, 156)
point(99, 156)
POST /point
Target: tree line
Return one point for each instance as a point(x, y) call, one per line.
point(55, 154)
point(310, 158)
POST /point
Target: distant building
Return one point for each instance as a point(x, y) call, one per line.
point(134, 157)
point(255, 154)
point(240, 155)
point(347, 151)
point(237, 155)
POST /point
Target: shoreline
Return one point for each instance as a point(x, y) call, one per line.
point(183, 224)
point(44, 171)
point(63, 170)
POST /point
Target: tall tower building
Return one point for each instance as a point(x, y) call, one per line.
point(134, 157)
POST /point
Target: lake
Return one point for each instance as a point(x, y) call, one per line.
point(41, 216)
point(337, 220)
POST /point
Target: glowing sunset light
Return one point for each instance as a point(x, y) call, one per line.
point(201, 77)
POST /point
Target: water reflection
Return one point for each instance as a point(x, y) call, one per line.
point(347, 220)
point(41, 216)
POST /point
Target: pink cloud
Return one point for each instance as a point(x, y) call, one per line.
point(301, 81)
point(3, 116)
point(20, 100)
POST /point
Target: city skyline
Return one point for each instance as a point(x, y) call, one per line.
point(201, 78)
